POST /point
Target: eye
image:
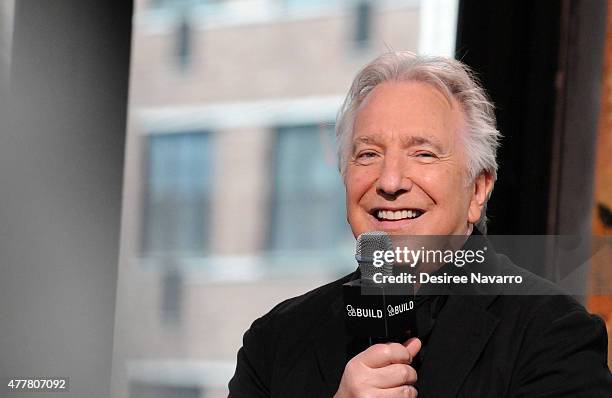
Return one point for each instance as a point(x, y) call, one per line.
point(426, 156)
point(366, 157)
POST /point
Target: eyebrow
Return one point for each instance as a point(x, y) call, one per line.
point(415, 140)
point(409, 141)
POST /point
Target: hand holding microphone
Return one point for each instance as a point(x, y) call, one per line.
point(383, 370)
point(384, 316)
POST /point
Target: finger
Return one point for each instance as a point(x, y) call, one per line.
point(398, 392)
point(413, 345)
point(380, 355)
point(394, 375)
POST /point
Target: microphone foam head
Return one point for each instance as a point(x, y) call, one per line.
point(367, 244)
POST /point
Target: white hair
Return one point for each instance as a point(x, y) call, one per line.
point(455, 80)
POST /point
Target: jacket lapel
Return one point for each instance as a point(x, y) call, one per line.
point(462, 330)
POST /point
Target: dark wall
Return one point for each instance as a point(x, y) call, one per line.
point(513, 46)
point(61, 165)
point(542, 63)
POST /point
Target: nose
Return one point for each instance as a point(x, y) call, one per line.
point(394, 177)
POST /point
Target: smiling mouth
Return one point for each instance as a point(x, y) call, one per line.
point(396, 215)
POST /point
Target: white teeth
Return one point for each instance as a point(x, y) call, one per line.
point(397, 215)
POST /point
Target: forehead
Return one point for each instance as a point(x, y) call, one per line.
point(408, 109)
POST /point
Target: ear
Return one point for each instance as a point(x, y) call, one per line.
point(481, 189)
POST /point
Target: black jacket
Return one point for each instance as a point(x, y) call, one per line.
point(486, 345)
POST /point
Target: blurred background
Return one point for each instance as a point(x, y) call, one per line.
point(168, 169)
point(233, 201)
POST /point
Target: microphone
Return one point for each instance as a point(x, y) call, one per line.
point(367, 244)
point(380, 312)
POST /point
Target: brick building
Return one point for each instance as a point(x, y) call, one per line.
point(232, 200)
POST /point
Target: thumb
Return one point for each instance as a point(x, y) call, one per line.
point(413, 345)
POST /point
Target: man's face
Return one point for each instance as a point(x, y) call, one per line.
point(407, 170)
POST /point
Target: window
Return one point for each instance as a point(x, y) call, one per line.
point(184, 45)
point(308, 211)
point(177, 193)
point(363, 23)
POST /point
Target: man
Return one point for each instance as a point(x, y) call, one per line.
point(417, 144)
